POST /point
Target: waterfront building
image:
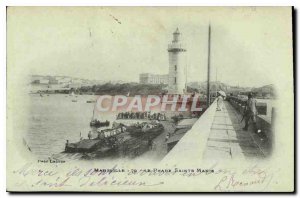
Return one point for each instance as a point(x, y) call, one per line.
point(148, 78)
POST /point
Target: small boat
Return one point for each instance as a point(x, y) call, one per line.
point(106, 141)
point(150, 130)
point(74, 96)
point(97, 123)
point(90, 101)
point(82, 146)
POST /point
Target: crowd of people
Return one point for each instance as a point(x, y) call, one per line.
point(142, 115)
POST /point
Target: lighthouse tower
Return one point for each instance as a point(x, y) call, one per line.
point(177, 65)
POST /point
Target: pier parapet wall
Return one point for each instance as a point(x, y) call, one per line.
point(264, 122)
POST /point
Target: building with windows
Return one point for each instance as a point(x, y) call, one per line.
point(147, 78)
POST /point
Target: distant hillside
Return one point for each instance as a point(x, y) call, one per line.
point(124, 89)
point(214, 85)
point(265, 91)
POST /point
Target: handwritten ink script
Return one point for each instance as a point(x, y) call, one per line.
point(254, 176)
point(57, 179)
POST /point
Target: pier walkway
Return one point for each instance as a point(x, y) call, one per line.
point(228, 140)
point(218, 135)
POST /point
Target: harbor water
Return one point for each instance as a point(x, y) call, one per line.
point(54, 118)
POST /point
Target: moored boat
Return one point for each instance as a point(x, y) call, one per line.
point(122, 140)
point(97, 123)
point(148, 130)
point(90, 101)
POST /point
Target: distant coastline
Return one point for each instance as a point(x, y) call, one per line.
point(67, 85)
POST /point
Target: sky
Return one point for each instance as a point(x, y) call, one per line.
point(249, 46)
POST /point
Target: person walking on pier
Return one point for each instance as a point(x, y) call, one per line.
point(250, 112)
point(219, 102)
point(220, 98)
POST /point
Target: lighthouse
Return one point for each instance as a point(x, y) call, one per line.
point(177, 65)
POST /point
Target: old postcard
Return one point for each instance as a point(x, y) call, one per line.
point(150, 99)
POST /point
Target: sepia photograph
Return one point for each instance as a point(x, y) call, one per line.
point(150, 99)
